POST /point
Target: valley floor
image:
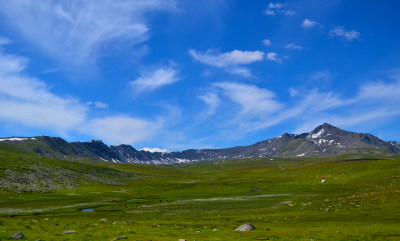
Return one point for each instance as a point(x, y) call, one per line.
point(283, 198)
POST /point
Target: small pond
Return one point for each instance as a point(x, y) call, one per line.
point(88, 210)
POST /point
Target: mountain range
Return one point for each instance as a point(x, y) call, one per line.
point(323, 140)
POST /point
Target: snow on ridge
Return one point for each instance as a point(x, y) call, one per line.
point(316, 135)
point(152, 150)
point(17, 139)
point(302, 154)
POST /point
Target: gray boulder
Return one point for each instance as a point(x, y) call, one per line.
point(18, 235)
point(124, 237)
point(245, 227)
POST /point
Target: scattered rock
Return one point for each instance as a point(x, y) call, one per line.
point(35, 221)
point(182, 239)
point(18, 235)
point(69, 231)
point(215, 229)
point(124, 237)
point(245, 227)
point(103, 220)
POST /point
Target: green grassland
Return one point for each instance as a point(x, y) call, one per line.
point(283, 198)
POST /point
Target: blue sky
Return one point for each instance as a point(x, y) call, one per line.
point(179, 74)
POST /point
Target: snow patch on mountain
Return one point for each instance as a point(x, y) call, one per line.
point(152, 150)
point(17, 139)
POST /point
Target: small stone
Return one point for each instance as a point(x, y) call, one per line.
point(103, 220)
point(18, 235)
point(124, 237)
point(35, 221)
point(182, 239)
point(245, 227)
point(215, 229)
point(69, 231)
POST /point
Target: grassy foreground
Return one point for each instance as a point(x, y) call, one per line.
point(283, 198)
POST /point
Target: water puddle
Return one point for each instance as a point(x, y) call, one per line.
point(88, 210)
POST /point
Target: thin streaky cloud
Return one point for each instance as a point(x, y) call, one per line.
point(150, 80)
point(293, 46)
point(76, 33)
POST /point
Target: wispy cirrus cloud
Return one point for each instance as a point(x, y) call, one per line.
point(341, 32)
point(251, 99)
point(29, 102)
point(121, 129)
point(212, 102)
point(150, 80)
point(231, 62)
point(78, 32)
point(252, 108)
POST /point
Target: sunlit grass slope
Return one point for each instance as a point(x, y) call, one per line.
point(283, 198)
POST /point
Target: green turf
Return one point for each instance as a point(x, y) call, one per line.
point(283, 198)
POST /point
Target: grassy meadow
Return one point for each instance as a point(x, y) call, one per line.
point(283, 198)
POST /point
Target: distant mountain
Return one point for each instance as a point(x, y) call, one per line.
point(323, 140)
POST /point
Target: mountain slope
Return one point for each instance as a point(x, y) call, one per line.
point(323, 140)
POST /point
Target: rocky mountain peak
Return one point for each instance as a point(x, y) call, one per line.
point(325, 139)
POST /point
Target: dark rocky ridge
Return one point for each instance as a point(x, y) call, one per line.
point(323, 140)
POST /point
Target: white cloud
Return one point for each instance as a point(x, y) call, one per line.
point(151, 80)
point(4, 41)
point(252, 100)
point(78, 32)
point(323, 76)
point(272, 5)
point(121, 129)
point(269, 12)
point(229, 61)
point(235, 57)
point(154, 150)
point(339, 31)
point(29, 102)
point(252, 108)
point(212, 101)
point(272, 56)
point(267, 42)
point(278, 8)
point(307, 23)
point(98, 104)
point(293, 46)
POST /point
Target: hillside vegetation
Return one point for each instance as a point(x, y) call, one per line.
point(283, 198)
